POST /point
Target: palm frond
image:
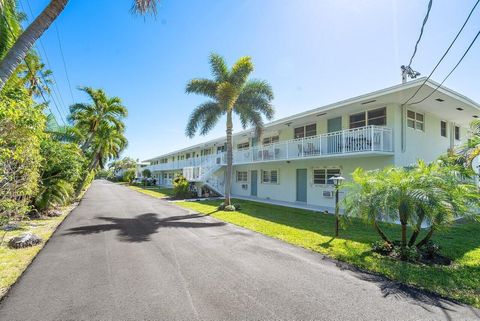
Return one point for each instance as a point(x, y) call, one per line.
point(205, 116)
point(218, 67)
point(202, 86)
point(145, 6)
point(240, 71)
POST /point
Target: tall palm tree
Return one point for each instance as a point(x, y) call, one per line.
point(103, 111)
point(24, 43)
point(230, 92)
point(32, 73)
point(108, 144)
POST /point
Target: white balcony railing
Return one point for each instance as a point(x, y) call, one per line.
point(349, 141)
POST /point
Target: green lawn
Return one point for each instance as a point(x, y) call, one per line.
point(315, 231)
point(14, 261)
point(155, 191)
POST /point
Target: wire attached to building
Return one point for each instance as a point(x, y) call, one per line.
point(458, 63)
point(421, 31)
point(445, 53)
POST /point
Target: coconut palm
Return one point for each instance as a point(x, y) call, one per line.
point(103, 111)
point(230, 92)
point(31, 74)
point(19, 48)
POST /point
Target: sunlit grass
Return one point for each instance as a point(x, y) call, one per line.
point(155, 191)
point(315, 231)
point(14, 261)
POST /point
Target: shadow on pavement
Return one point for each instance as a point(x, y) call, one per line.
point(139, 228)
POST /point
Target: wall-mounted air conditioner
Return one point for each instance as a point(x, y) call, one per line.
point(328, 194)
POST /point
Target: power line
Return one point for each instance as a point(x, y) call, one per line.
point(58, 92)
point(31, 71)
point(446, 52)
point(64, 62)
point(421, 31)
point(458, 63)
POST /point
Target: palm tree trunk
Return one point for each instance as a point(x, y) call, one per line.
point(426, 238)
point(25, 42)
point(415, 233)
point(93, 164)
point(404, 234)
point(228, 183)
point(381, 233)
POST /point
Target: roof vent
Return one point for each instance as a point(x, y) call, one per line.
point(321, 114)
point(368, 102)
point(440, 100)
point(459, 108)
point(475, 116)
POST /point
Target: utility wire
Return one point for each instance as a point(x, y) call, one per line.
point(421, 31)
point(31, 71)
point(443, 56)
point(58, 92)
point(458, 63)
point(64, 62)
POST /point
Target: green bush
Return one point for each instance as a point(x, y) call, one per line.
point(129, 175)
point(382, 247)
point(181, 187)
point(407, 253)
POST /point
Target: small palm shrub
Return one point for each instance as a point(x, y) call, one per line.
point(181, 187)
point(382, 247)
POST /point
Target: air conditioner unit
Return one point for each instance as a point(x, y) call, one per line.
point(328, 194)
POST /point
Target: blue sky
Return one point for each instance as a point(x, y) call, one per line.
point(312, 52)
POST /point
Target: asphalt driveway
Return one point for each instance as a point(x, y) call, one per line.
point(122, 255)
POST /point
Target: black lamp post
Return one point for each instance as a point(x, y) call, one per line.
point(337, 181)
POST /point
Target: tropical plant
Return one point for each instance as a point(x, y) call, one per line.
point(21, 130)
point(35, 76)
point(129, 175)
point(19, 48)
point(230, 92)
point(181, 187)
point(434, 194)
point(146, 173)
point(103, 111)
point(62, 169)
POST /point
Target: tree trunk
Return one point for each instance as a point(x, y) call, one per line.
point(25, 42)
point(404, 234)
point(381, 233)
point(426, 238)
point(91, 166)
point(228, 183)
point(415, 233)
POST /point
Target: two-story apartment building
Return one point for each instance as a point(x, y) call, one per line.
point(296, 156)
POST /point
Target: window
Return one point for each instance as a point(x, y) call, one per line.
point(323, 176)
point(270, 176)
point(376, 117)
point(457, 132)
point(271, 140)
point(443, 128)
point(243, 145)
point(305, 131)
point(242, 176)
point(415, 120)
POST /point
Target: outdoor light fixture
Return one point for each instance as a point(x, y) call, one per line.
point(337, 181)
point(440, 100)
point(475, 116)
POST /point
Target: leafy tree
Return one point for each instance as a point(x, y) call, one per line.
point(230, 92)
point(181, 187)
point(62, 169)
point(129, 175)
point(103, 111)
point(19, 47)
point(146, 173)
point(434, 193)
point(21, 131)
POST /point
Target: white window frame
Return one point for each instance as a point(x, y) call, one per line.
point(243, 146)
point(325, 173)
point(415, 121)
point(304, 127)
point(459, 133)
point(270, 140)
point(245, 180)
point(446, 128)
point(367, 119)
point(263, 171)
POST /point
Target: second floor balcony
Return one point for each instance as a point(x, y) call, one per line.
point(372, 140)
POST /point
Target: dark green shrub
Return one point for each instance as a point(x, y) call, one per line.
point(181, 187)
point(430, 249)
point(382, 247)
point(407, 253)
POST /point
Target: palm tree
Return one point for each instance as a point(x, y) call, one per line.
point(24, 43)
point(230, 92)
point(434, 193)
point(108, 144)
point(31, 74)
point(103, 111)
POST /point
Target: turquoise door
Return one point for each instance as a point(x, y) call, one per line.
point(301, 185)
point(253, 183)
point(334, 142)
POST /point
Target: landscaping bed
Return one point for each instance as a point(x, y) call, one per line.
point(315, 231)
